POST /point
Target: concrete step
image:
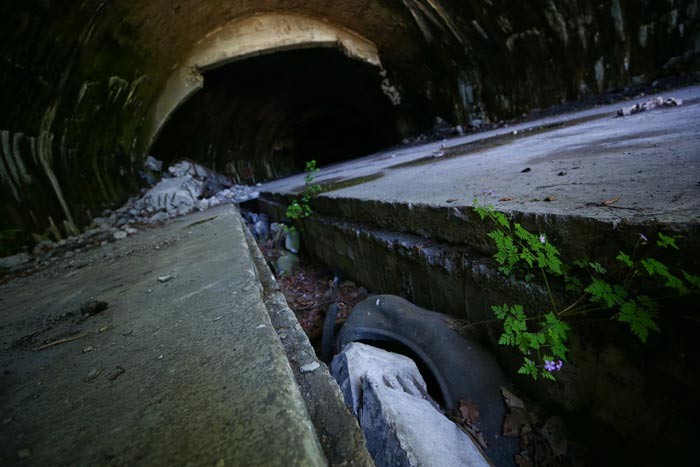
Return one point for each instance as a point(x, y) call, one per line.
point(188, 370)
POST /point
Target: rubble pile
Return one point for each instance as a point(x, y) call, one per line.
point(657, 102)
point(181, 189)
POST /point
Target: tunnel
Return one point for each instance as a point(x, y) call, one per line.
point(255, 89)
point(263, 117)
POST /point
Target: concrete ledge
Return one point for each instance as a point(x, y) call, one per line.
point(338, 430)
point(187, 371)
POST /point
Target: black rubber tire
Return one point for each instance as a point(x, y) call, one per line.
point(461, 367)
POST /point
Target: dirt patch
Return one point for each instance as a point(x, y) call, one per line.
point(310, 290)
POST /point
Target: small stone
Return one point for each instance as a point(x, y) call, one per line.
point(131, 231)
point(10, 262)
point(43, 247)
point(24, 453)
point(118, 371)
point(120, 235)
point(103, 328)
point(286, 264)
point(311, 367)
point(292, 242)
point(93, 374)
point(153, 164)
point(526, 170)
point(164, 279)
point(262, 326)
point(93, 307)
point(88, 349)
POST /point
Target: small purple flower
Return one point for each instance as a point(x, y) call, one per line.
point(543, 239)
point(553, 366)
point(643, 237)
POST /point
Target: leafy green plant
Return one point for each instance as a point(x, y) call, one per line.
point(541, 337)
point(300, 208)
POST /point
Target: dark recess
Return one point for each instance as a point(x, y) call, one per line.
point(263, 117)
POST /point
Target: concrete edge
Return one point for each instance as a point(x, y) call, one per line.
point(337, 429)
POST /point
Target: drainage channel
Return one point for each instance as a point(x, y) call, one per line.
point(459, 278)
point(387, 343)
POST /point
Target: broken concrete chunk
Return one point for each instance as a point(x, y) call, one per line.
point(43, 247)
point(153, 164)
point(286, 264)
point(404, 430)
point(311, 367)
point(292, 241)
point(172, 194)
point(357, 361)
point(649, 105)
point(9, 262)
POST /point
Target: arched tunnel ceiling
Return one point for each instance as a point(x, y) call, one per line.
point(254, 125)
point(259, 34)
point(80, 82)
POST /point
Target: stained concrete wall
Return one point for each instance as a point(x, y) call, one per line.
point(79, 81)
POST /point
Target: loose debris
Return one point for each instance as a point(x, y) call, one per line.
point(542, 444)
point(183, 188)
point(62, 341)
point(467, 417)
point(93, 307)
point(118, 371)
point(308, 287)
point(657, 102)
point(610, 201)
point(93, 374)
point(310, 368)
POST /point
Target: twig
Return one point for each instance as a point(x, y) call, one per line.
point(62, 341)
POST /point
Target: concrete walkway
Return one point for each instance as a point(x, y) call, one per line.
point(649, 161)
point(187, 370)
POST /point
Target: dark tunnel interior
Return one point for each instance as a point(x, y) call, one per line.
point(264, 117)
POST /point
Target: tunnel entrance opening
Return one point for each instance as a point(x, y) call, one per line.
point(264, 117)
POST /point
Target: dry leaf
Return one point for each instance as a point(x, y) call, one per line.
point(506, 198)
point(469, 410)
point(516, 422)
point(554, 432)
point(522, 461)
point(551, 198)
point(610, 201)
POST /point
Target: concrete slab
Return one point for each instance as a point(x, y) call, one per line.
point(650, 161)
point(185, 370)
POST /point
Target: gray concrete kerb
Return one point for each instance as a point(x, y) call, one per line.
point(184, 372)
